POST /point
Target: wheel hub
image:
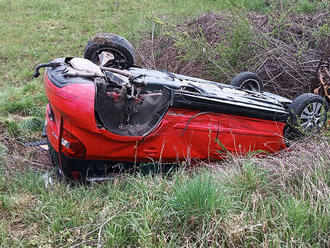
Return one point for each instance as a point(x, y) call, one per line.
point(311, 116)
point(105, 57)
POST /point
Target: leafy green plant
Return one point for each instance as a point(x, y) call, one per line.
point(32, 124)
point(236, 46)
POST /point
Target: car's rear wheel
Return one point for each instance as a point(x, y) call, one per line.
point(110, 50)
point(307, 114)
point(248, 81)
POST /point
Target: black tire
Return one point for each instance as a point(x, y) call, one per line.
point(307, 114)
point(248, 81)
point(122, 50)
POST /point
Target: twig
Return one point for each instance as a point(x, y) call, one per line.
point(152, 44)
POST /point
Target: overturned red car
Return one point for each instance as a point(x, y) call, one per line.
point(105, 113)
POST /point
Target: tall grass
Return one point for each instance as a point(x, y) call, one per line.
point(245, 202)
point(199, 197)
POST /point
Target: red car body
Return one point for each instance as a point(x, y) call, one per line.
point(105, 112)
point(182, 133)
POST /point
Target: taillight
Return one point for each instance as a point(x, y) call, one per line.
point(71, 146)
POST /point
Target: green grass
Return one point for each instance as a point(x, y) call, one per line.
point(250, 203)
point(199, 197)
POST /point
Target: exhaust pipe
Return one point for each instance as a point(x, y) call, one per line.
point(51, 64)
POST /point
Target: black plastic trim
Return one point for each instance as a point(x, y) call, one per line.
point(182, 100)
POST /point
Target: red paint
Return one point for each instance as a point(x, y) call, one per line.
point(177, 137)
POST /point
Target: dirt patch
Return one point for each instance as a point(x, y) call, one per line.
point(20, 157)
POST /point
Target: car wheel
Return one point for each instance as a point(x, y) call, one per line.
point(248, 81)
point(307, 114)
point(110, 50)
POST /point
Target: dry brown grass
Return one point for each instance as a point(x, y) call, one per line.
point(284, 51)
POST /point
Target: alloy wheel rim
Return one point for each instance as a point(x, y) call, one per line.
point(312, 116)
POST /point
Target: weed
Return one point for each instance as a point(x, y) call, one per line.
point(278, 201)
point(301, 223)
point(7, 202)
point(249, 180)
point(32, 124)
point(13, 128)
point(223, 54)
point(235, 47)
point(200, 197)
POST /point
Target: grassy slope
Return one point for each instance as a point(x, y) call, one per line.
point(144, 211)
point(278, 201)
